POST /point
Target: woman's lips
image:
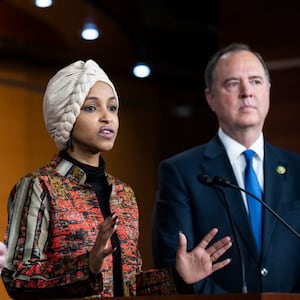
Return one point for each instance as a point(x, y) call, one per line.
point(106, 132)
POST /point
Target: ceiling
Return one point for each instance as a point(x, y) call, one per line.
point(175, 37)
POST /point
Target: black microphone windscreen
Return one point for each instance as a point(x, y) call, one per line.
point(221, 181)
point(205, 179)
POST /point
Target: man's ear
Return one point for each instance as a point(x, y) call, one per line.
point(209, 98)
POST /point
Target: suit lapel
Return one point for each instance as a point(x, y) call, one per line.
point(275, 169)
point(217, 163)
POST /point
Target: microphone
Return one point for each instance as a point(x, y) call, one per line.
point(220, 181)
point(215, 180)
point(212, 181)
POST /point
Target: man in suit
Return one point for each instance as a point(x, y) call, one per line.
point(238, 92)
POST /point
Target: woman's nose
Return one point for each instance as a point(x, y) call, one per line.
point(105, 116)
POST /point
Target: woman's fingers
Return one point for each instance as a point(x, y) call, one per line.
point(218, 248)
point(215, 250)
point(220, 264)
point(208, 238)
point(100, 249)
point(182, 245)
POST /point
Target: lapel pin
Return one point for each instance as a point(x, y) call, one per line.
point(280, 170)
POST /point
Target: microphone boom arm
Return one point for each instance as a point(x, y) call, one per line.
point(226, 183)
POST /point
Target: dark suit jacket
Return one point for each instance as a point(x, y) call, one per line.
point(183, 203)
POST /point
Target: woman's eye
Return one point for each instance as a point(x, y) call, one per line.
point(113, 108)
point(89, 108)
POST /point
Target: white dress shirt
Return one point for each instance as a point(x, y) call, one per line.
point(235, 153)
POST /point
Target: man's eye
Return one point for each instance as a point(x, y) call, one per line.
point(256, 81)
point(231, 84)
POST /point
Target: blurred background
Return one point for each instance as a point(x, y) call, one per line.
point(161, 114)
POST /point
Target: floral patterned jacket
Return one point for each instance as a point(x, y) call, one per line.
point(53, 221)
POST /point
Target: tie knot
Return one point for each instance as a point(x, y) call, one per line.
point(249, 154)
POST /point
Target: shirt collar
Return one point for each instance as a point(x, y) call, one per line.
point(234, 148)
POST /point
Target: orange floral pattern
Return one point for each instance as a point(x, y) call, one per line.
point(53, 223)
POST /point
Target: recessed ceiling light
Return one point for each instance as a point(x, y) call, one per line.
point(90, 32)
point(43, 3)
point(141, 70)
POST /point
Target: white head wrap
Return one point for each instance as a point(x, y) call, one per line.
point(65, 94)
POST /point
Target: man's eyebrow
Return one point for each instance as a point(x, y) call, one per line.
point(237, 78)
point(256, 76)
point(229, 79)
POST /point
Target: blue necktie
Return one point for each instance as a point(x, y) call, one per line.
point(255, 208)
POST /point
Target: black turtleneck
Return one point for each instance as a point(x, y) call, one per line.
point(97, 179)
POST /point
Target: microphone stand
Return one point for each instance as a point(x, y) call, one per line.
point(220, 181)
point(244, 284)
